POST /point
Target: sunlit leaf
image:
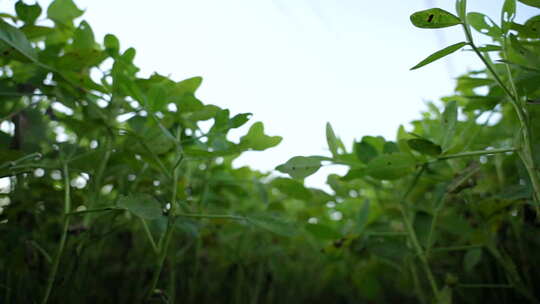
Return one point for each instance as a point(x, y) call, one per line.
point(434, 18)
point(440, 54)
point(63, 11)
point(255, 139)
point(331, 139)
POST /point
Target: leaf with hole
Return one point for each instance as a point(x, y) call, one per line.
point(440, 54)
point(434, 18)
point(483, 24)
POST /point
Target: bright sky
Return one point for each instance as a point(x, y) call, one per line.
point(295, 64)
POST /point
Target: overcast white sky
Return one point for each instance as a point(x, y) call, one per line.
point(295, 64)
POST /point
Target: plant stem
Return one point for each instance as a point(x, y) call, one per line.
point(56, 262)
point(526, 153)
point(412, 235)
point(476, 153)
point(149, 235)
point(163, 246)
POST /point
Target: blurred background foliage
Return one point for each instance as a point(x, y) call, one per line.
point(121, 162)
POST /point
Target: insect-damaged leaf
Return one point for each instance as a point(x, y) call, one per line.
point(434, 18)
point(300, 166)
point(440, 54)
point(391, 166)
point(483, 24)
point(142, 205)
point(424, 146)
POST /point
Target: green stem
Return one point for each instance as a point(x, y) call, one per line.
point(475, 153)
point(456, 248)
point(213, 216)
point(56, 262)
point(149, 235)
point(163, 246)
point(526, 154)
point(485, 286)
point(412, 235)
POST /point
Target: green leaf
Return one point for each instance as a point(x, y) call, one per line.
point(300, 166)
point(508, 14)
point(480, 23)
point(331, 140)
point(292, 188)
point(255, 139)
point(434, 18)
point(323, 232)
point(273, 224)
point(112, 44)
point(17, 41)
point(83, 38)
point(440, 54)
point(363, 216)
point(63, 11)
point(472, 258)
point(422, 227)
point(535, 3)
point(142, 205)
point(449, 123)
point(365, 151)
point(445, 296)
point(391, 166)
point(27, 13)
point(424, 146)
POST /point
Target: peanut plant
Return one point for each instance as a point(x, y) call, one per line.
point(114, 193)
